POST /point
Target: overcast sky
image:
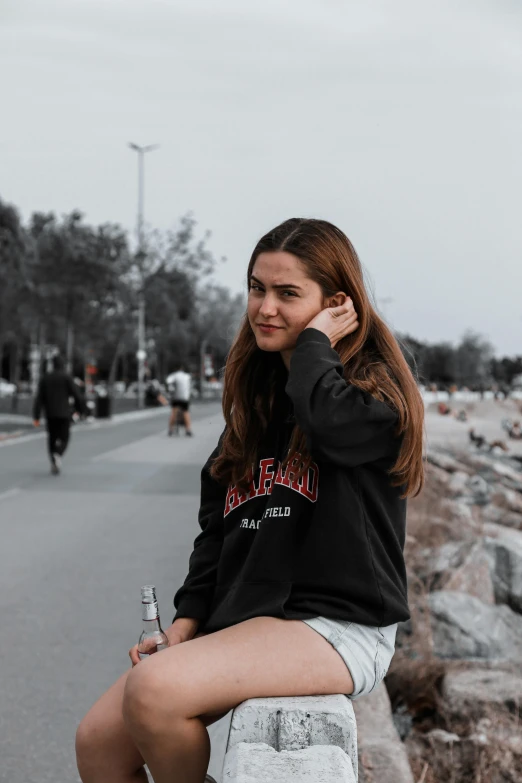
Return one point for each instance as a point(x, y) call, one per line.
point(400, 121)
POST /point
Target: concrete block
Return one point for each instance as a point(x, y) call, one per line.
point(296, 722)
point(257, 762)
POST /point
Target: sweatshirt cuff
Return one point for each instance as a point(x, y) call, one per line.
point(192, 606)
point(311, 335)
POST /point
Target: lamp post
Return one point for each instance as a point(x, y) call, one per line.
point(141, 353)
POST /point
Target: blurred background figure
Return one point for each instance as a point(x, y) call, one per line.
point(153, 394)
point(179, 386)
point(54, 391)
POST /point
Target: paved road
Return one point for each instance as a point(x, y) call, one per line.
point(75, 550)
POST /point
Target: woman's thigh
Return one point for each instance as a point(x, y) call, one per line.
point(262, 657)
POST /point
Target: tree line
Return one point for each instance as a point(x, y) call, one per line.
point(72, 286)
point(471, 362)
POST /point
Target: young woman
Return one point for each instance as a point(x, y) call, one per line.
point(297, 580)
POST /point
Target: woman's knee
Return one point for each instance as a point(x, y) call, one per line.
point(88, 745)
point(103, 740)
point(147, 700)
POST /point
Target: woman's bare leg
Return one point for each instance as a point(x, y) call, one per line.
point(169, 696)
point(105, 750)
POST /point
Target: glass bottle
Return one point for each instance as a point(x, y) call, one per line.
point(153, 638)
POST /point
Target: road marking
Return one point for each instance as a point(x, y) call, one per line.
point(9, 493)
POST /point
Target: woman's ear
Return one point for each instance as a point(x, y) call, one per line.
point(337, 300)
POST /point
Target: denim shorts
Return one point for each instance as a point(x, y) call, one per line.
point(367, 650)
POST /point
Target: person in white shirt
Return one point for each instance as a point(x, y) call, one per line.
point(178, 384)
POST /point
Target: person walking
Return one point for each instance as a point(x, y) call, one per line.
point(297, 579)
point(179, 386)
point(54, 391)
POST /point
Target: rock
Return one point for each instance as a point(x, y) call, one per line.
point(402, 720)
point(259, 763)
point(507, 472)
point(473, 576)
point(458, 483)
point(446, 462)
point(448, 556)
point(404, 634)
point(480, 464)
point(382, 756)
point(466, 693)
point(503, 731)
point(504, 550)
point(508, 498)
point(498, 448)
point(479, 489)
point(496, 471)
point(492, 530)
point(459, 512)
point(493, 513)
point(463, 566)
point(465, 758)
point(440, 475)
point(441, 736)
point(464, 627)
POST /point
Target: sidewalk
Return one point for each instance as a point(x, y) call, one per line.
point(14, 426)
point(169, 453)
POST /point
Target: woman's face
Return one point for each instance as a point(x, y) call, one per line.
point(282, 301)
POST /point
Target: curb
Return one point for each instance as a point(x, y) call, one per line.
point(21, 436)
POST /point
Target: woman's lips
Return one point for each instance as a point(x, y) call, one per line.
point(267, 328)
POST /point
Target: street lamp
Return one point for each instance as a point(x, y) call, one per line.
point(141, 353)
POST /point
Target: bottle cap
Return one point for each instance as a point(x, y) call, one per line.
point(148, 594)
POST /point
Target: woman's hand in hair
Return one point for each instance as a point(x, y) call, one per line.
point(336, 322)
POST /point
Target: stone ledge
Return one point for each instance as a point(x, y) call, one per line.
point(257, 762)
point(293, 724)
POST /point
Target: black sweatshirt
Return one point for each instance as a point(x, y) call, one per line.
point(53, 394)
point(329, 544)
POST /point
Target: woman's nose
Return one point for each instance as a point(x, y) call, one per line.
point(268, 306)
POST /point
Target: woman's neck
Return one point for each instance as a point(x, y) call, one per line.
point(286, 356)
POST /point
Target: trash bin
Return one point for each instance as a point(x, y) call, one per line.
point(103, 406)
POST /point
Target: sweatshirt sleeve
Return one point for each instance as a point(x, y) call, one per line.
point(194, 598)
point(342, 424)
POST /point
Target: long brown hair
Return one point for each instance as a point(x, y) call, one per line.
point(371, 356)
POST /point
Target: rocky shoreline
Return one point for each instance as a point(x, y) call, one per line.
point(455, 685)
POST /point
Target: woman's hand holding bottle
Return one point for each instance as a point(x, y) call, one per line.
point(176, 633)
point(153, 638)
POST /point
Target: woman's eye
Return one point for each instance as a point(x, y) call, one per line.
point(290, 293)
point(254, 287)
